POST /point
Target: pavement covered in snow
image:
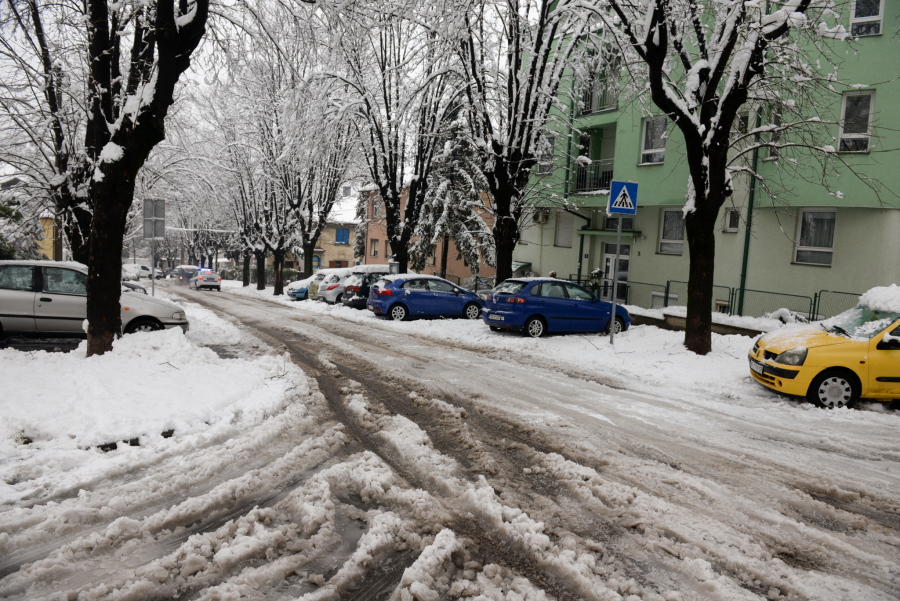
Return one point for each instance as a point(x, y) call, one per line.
point(321, 453)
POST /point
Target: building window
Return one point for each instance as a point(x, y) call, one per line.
point(732, 220)
point(545, 154)
point(374, 246)
point(387, 249)
point(612, 223)
point(431, 254)
point(565, 223)
point(342, 235)
point(671, 232)
point(317, 262)
point(346, 191)
point(654, 146)
point(815, 244)
point(856, 121)
point(865, 17)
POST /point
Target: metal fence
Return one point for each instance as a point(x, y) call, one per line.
point(758, 303)
point(676, 294)
point(597, 175)
point(828, 303)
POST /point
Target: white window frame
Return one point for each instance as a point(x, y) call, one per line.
point(547, 147)
point(797, 246)
point(868, 135)
point(347, 190)
point(662, 223)
point(854, 20)
point(644, 141)
point(727, 227)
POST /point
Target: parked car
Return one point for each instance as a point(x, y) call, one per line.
point(356, 287)
point(206, 279)
point(537, 306)
point(331, 290)
point(130, 272)
point(50, 297)
point(313, 293)
point(132, 287)
point(836, 362)
point(406, 295)
point(298, 290)
point(184, 273)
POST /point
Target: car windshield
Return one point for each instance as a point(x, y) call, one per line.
point(509, 287)
point(353, 280)
point(859, 322)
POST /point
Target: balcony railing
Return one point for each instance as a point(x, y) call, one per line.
point(599, 95)
point(595, 176)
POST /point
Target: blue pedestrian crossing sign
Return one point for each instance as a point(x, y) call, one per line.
point(622, 198)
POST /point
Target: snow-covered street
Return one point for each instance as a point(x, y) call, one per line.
point(438, 460)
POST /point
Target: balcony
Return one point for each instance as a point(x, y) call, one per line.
point(594, 176)
point(599, 96)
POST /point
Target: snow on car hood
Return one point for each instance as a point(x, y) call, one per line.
point(805, 336)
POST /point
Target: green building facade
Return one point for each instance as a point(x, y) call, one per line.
point(842, 237)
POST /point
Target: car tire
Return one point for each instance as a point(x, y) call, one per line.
point(472, 311)
point(399, 313)
point(143, 324)
point(834, 388)
point(339, 298)
point(535, 327)
point(620, 325)
point(495, 329)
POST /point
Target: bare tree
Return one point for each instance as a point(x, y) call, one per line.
point(704, 63)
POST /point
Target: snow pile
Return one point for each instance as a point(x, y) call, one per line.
point(883, 299)
point(770, 322)
point(153, 389)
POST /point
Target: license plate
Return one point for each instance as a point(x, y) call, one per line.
point(495, 317)
point(371, 307)
point(756, 367)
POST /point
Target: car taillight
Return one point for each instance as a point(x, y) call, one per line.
point(384, 292)
point(516, 299)
point(333, 286)
point(220, 279)
point(353, 288)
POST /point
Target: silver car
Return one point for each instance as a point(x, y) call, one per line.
point(50, 297)
point(331, 289)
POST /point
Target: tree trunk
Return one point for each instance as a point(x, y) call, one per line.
point(246, 268)
point(702, 248)
point(105, 267)
point(260, 271)
point(308, 259)
point(278, 264)
point(445, 249)
point(401, 256)
point(506, 229)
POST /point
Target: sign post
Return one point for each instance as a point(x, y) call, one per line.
point(154, 229)
point(622, 201)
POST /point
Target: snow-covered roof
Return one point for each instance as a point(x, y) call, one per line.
point(883, 299)
point(69, 264)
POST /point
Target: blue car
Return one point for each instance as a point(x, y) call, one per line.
point(409, 295)
point(536, 306)
point(299, 290)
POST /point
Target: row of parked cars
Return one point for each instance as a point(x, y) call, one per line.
point(533, 306)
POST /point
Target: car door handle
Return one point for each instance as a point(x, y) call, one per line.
point(44, 299)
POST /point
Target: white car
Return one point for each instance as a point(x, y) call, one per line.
point(50, 297)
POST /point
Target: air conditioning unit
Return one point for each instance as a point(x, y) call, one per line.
point(541, 216)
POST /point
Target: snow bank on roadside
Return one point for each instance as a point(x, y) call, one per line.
point(762, 324)
point(57, 408)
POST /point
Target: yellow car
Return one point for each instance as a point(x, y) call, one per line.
point(835, 362)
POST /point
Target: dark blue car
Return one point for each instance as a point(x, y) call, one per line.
point(409, 295)
point(540, 305)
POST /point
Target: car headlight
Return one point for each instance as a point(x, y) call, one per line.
point(178, 315)
point(792, 357)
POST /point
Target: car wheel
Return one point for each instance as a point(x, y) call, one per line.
point(472, 311)
point(399, 313)
point(620, 325)
point(535, 327)
point(833, 388)
point(143, 325)
point(495, 329)
point(339, 298)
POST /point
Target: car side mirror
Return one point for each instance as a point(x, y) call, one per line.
point(595, 299)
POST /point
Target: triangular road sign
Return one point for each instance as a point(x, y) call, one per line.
point(623, 200)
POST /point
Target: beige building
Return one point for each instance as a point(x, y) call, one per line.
point(334, 248)
point(51, 246)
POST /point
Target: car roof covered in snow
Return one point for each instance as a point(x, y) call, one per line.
point(882, 299)
point(538, 279)
point(371, 269)
point(69, 264)
point(409, 276)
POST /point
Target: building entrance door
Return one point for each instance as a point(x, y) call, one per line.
point(609, 260)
